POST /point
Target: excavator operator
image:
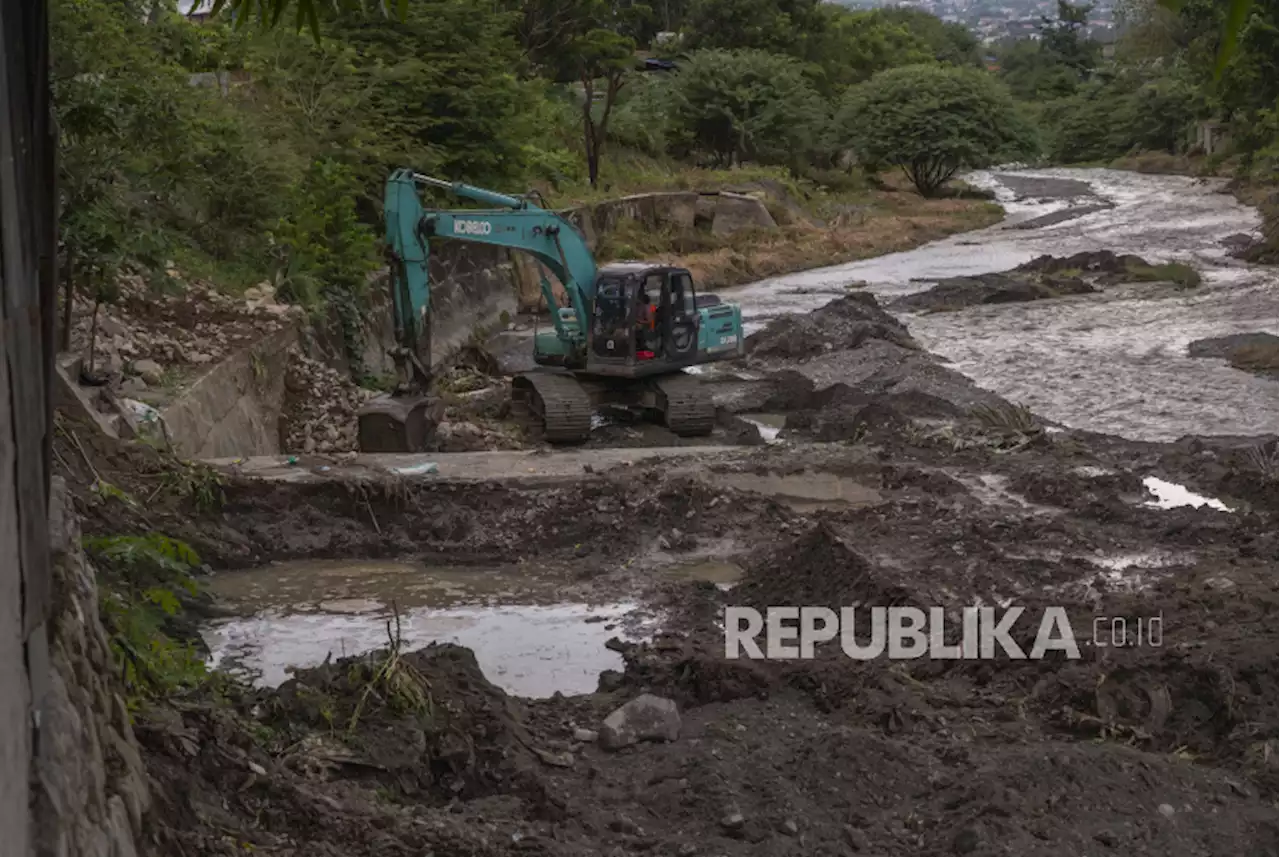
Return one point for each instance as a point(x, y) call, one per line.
point(647, 339)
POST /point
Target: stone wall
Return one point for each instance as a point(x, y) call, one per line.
point(234, 408)
point(89, 785)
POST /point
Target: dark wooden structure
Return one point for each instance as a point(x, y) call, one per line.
point(28, 243)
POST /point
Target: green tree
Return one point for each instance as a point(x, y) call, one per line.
point(947, 42)
point(601, 60)
point(932, 121)
point(746, 105)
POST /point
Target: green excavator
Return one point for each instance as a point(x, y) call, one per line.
point(624, 338)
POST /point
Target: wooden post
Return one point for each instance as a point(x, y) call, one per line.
point(27, 308)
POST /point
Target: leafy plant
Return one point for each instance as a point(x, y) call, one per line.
point(143, 580)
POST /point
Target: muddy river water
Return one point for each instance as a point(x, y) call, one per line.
point(1114, 362)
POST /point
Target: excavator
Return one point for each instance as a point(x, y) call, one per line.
point(623, 338)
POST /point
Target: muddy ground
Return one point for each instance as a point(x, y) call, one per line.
point(949, 497)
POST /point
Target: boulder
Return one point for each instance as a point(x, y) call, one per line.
point(149, 370)
point(645, 718)
point(735, 212)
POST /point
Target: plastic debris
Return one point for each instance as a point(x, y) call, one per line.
point(417, 469)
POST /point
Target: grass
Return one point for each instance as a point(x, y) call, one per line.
point(1182, 276)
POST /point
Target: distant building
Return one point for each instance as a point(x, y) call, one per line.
point(197, 11)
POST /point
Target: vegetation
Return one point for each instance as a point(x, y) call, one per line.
point(143, 581)
point(930, 121)
point(252, 146)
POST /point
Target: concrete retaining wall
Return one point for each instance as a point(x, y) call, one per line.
point(234, 409)
point(472, 287)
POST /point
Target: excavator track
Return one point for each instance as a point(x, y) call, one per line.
point(687, 408)
point(556, 402)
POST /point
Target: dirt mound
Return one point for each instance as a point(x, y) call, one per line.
point(425, 723)
point(845, 323)
point(820, 568)
point(352, 757)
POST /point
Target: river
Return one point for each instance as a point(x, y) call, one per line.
point(1115, 362)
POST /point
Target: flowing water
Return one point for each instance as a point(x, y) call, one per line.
point(1114, 363)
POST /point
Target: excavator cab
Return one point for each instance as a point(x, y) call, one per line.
point(645, 321)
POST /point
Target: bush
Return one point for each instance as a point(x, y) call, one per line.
point(747, 105)
point(932, 121)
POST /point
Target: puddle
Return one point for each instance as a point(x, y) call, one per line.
point(803, 491)
point(724, 575)
point(525, 638)
point(768, 424)
point(1170, 495)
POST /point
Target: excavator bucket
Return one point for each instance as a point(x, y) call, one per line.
point(399, 423)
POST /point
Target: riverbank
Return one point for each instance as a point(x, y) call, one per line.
point(1256, 189)
point(813, 224)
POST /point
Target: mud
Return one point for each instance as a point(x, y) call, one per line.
point(892, 479)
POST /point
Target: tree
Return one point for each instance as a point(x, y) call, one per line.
point(947, 42)
point(600, 58)
point(932, 121)
point(747, 105)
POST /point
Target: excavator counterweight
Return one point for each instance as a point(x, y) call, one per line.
point(625, 336)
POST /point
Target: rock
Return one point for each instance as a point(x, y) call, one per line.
point(199, 358)
point(587, 736)
point(733, 821)
point(789, 827)
point(687, 849)
point(253, 293)
point(735, 212)
point(856, 838)
point(1166, 810)
point(132, 386)
point(645, 718)
point(623, 824)
point(965, 842)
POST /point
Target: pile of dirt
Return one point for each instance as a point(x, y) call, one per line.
point(819, 569)
point(363, 756)
point(845, 323)
point(320, 408)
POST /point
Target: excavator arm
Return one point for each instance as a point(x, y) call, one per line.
point(512, 222)
point(405, 420)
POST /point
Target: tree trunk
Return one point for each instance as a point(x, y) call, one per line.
point(589, 132)
point(69, 293)
point(93, 336)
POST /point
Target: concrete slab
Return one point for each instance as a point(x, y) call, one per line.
point(498, 465)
